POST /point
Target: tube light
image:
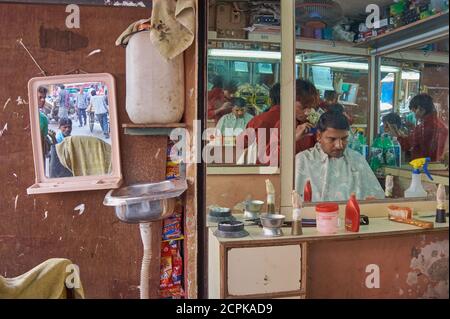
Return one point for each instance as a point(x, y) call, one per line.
point(356, 66)
point(245, 54)
point(227, 53)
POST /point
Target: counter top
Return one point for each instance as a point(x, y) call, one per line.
point(439, 173)
point(377, 227)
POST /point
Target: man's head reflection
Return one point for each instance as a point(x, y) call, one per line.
point(239, 107)
point(333, 130)
point(41, 95)
point(307, 99)
point(65, 125)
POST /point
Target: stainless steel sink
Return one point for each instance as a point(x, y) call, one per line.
point(143, 203)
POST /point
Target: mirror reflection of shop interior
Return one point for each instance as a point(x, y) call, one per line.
point(425, 70)
point(242, 68)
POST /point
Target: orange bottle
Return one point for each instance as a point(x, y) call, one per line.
point(352, 214)
point(307, 192)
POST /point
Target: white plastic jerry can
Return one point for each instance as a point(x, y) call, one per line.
point(154, 85)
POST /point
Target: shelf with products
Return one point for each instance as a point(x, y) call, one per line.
point(422, 31)
point(330, 46)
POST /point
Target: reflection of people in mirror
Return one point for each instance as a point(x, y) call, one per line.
point(65, 128)
point(64, 102)
point(307, 100)
point(430, 137)
point(266, 120)
point(98, 105)
point(330, 97)
point(43, 122)
point(81, 103)
point(334, 170)
point(234, 123)
point(219, 98)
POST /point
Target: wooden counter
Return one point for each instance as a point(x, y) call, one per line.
point(341, 265)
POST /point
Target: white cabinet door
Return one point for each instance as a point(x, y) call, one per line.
point(262, 270)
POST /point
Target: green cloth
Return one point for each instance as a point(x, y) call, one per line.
point(43, 124)
point(85, 155)
point(56, 278)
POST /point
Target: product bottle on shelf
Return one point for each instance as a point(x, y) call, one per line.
point(398, 151)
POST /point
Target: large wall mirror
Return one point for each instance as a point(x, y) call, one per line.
point(243, 71)
point(74, 133)
point(413, 112)
point(372, 115)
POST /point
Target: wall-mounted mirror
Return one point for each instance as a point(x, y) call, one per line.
point(332, 152)
point(413, 110)
point(243, 66)
point(74, 133)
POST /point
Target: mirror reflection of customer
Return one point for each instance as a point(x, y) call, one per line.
point(81, 104)
point(430, 137)
point(236, 121)
point(97, 104)
point(334, 170)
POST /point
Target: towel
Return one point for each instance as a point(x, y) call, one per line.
point(172, 28)
point(56, 278)
point(85, 155)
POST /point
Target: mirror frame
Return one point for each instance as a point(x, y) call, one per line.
point(44, 184)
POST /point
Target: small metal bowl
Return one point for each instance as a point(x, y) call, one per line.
point(254, 206)
point(231, 229)
point(272, 220)
point(219, 214)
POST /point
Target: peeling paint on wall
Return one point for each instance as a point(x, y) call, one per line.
point(430, 264)
point(6, 103)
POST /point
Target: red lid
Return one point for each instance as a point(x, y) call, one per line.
point(327, 208)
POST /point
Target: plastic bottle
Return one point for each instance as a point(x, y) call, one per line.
point(376, 155)
point(364, 148)
point(398, 151)
point(388, 150)
point(416, 189)
point(352, 214)
point(307, 192)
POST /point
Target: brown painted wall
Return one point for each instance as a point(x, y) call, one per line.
point(108, 252)
point(410, 266)
point(229, 190)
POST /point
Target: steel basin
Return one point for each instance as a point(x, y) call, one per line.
point(141, 203)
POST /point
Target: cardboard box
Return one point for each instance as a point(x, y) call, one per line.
point(230, 23)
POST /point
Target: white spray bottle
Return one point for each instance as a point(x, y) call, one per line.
point(416, 189)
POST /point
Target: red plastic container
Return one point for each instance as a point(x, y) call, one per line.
point(352, 214)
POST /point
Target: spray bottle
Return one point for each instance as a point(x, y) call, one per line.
point(416, 188)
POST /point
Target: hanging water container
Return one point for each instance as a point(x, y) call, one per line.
point(154, 85)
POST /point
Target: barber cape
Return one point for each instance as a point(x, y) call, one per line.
point(334, 179)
